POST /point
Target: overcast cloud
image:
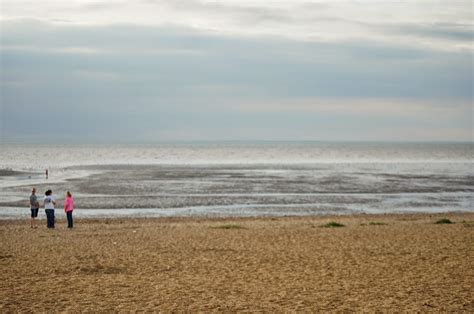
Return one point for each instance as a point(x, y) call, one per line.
point(156, 70)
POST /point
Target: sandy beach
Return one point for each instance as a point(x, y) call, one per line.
point(374, 262)
point(236, 156)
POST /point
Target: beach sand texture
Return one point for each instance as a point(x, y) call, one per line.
point(251, 264)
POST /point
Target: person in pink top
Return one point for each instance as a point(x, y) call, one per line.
point(68, 208)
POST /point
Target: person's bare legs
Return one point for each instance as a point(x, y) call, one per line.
point(33, 222)
point(34, 215)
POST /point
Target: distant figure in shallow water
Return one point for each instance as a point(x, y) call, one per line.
point(68, 208)
point(49, 203)
point(46, 173)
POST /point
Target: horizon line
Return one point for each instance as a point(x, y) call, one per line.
point(262, 141)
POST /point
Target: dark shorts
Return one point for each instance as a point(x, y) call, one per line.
point(34, 212)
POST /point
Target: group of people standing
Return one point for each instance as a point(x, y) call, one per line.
point(49, 203)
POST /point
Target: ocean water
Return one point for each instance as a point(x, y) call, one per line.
point(241, 179)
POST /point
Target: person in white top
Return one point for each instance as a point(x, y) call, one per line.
point(49, 203)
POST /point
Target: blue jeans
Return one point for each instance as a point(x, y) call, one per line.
point(50, 217)
point(69, 219)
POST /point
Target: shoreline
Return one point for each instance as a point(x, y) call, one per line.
point(128, 214)
point(467, 219)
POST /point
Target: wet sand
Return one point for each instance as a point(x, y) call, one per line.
point(240, 264)
point(256, 189)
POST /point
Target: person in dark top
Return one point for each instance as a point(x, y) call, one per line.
point(34, 207)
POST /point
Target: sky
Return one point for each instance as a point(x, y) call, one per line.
point(150, 71)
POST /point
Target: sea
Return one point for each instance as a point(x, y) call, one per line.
point(241, 179)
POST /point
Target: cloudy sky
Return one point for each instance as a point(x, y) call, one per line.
point(191, 70)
